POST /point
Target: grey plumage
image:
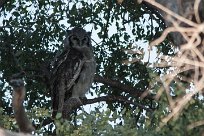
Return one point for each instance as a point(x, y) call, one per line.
point(73, 70)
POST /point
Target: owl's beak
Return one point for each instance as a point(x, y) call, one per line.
point(80, 43)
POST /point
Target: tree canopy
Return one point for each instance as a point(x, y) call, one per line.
point(126, 79)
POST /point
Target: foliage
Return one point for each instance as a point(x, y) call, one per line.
point(32, 33)
point(98, 123)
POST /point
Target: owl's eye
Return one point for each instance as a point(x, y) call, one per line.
point(85, 40)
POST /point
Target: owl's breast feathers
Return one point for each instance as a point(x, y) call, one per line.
point(65, 72)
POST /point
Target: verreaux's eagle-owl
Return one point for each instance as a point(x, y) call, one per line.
point(73, 70)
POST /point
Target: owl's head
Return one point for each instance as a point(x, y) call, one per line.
point(77, 37)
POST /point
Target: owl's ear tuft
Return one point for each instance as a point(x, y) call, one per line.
point(68, 32)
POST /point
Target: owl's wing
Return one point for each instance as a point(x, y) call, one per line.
point(65, 72)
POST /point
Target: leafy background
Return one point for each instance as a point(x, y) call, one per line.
point(32, 33)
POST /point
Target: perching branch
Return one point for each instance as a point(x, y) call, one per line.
point(112, 98)
point(72, 104)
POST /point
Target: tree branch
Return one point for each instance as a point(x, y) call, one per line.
point(120, 86)
point(110, 6)
point(112, 98)
point(70, 105)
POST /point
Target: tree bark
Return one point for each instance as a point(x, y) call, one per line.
point(122, 87)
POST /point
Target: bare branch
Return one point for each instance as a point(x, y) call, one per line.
point(71, 104)
point(112, 98)
point(183, 19)
point(124, 88)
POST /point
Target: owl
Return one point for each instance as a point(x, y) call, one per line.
point(73, 70)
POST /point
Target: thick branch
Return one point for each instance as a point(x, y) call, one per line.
point(124, 88)
point(17, 103)
point(72, 104)
point(112, 98)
